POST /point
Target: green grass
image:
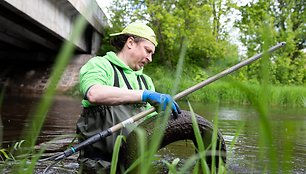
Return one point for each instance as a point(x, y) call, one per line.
point(227, 91)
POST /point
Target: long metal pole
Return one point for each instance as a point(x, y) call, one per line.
point(225, 72)
point(180, 95)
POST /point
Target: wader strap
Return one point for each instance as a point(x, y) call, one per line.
point(139, 82)
point(116, 78)
point(144, 81)
point(124, 78)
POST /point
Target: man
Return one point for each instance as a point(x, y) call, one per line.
point(116, 89)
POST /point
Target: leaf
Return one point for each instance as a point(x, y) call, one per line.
point(116, 154)
point(17, 145)
point(7, 154)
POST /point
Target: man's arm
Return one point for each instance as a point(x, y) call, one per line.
point(108, 95)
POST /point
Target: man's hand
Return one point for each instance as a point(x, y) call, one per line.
point(158, 99)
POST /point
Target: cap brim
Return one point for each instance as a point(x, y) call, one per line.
point(116, 34)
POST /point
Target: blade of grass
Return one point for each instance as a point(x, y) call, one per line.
point(142, 154)
point(214, 144)
point(38, 116)
point(62, 60)
point(7, 154)
point(290, 131)
point(115, 155)
point(262, 106)
point(172, 166)
point(133, 166)
point(141, 144)
point(233, 142)
point(158, 134)
point(196, 169)
point(191, 162)
point(199, 140)
point(1, 124)
point(179, 67)
point(156, 139)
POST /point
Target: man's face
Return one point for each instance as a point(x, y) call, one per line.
point(141, 54)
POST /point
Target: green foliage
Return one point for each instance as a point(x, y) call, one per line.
point(288, 71)
point(198, 21)
point(172, 166)
point(203, 24)
point(286, 20)
point(8, 153)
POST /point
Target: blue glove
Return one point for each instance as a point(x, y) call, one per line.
point(158, 99)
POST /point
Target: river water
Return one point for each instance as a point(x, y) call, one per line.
point(239, 123)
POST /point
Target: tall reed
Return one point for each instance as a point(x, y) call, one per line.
point(157, 136)
point(1, 124)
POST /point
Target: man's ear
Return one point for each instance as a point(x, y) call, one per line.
point(130, 42)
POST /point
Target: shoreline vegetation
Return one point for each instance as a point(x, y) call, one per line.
point(227, 90)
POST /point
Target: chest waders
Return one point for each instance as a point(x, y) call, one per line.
point(95, 119)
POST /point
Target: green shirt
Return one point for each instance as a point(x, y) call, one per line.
point(99, 70)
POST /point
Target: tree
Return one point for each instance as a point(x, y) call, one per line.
point(287, 19)
point(198, 21)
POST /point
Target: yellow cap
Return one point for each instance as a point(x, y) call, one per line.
point(139, 29)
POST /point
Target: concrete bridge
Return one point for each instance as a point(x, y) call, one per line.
point(31, 34)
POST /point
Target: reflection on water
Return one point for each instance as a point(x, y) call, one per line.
point(61, 118)
point(288, 127)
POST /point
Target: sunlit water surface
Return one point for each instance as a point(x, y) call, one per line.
point(239, 125)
